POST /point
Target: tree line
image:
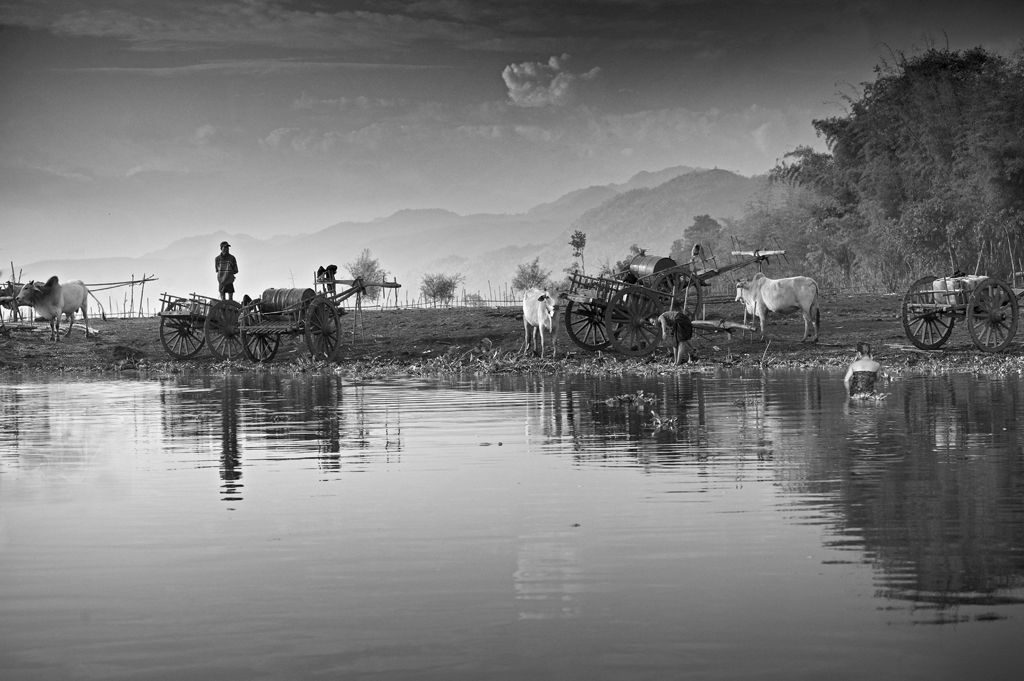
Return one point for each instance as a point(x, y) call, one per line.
point(923, 175)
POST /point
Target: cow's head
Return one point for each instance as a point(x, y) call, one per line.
point(745, 294)
point(29, 293)
point(550, 305)
point(34, 291)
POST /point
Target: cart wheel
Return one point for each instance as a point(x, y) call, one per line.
point(584, 323)
point(992, 315)
point(323, 333)
point(679, 291)
point(181, 333)
point(927, 318)
point(222, 333)
point(631, 321)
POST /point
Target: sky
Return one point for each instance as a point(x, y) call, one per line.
point(126, 124)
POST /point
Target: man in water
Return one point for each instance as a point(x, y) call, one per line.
point(862, 375)
point(226, 267)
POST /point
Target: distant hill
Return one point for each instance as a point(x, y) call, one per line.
point(653, 218)
point(650, 209)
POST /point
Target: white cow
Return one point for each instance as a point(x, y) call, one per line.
point(53, 299)
point(759, 294)
point(539, 310)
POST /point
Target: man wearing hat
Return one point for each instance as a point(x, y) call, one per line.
point(226, 267)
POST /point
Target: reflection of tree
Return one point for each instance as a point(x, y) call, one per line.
point(947, 509)
point(925, 481)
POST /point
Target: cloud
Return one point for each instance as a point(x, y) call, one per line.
point(534, 84)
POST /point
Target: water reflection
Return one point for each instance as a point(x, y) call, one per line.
point(555, 499)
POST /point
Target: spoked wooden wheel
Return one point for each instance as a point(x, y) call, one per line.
point(323, 329)
point(680, 291)
point(181, 333)
point(927, 314)
point(222, 332)
point(258, 345)
point(992, 315)
point(584, 323)
point(631, 321)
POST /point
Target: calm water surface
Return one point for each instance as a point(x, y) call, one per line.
point(705, 526)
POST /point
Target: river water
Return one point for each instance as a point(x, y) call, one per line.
point(698, 526)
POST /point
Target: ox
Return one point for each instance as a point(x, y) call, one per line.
point(759, 294)
point(539, 310)
point(53, 299)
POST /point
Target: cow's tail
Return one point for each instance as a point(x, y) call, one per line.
point(103, 312)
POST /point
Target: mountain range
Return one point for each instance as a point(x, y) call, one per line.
point(651, 210)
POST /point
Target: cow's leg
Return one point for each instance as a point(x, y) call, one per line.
point(71, 324)
point(526, 336)
point(85, 320)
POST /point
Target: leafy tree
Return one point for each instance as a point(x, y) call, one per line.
point(578, 241)
point(620, 270)
point(368, 268)
point(927, 155)
point(924, 175)
point(705, 231)
point(440, 288)
point(530, 275)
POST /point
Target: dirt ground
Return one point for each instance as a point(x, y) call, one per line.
point(442, 339)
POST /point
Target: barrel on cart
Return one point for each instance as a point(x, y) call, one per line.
point(289, 311)
point(189, 323)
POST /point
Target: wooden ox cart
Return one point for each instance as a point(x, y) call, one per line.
point(187, 324)
point(990, 308)
point(314, 315)
point(621, 314)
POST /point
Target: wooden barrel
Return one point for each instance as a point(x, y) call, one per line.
point(291, 300)
point(646, 265)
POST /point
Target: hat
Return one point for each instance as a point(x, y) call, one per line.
point(224, 243)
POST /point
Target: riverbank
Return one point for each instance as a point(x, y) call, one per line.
point(488, 340)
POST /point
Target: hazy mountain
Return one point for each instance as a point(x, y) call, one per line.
point(650, 209)
point(653, 218)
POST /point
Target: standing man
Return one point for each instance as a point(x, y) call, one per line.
point(226, 267)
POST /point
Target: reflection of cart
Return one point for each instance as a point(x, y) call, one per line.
point(622, 313)
point(296, 311)
point(187, 324)
point(990, 307)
